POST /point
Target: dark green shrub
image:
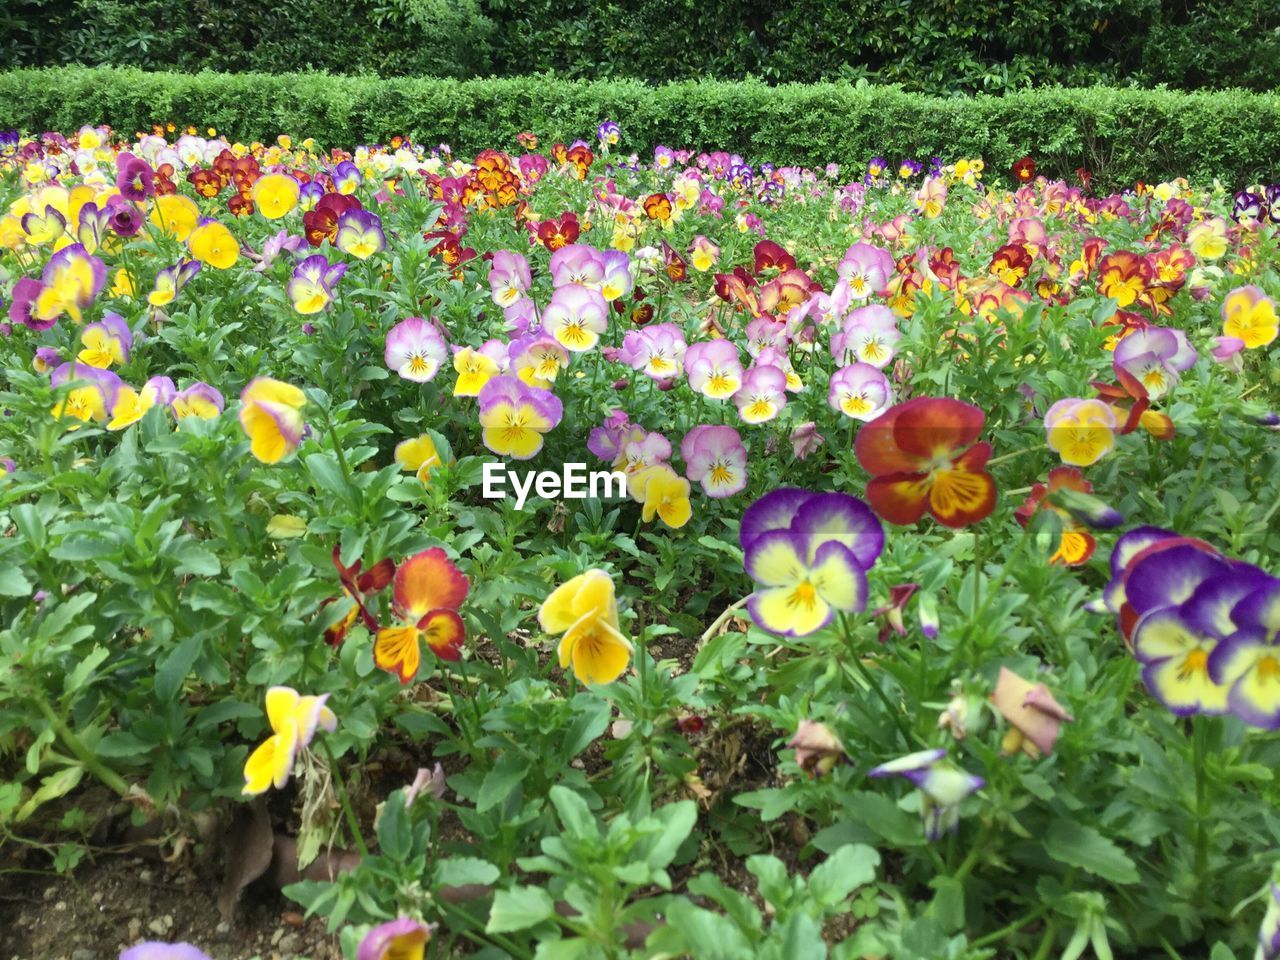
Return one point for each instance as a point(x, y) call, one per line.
point(1119, 134)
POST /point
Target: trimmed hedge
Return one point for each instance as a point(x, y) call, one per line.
point(1120, 134)
point(931, 46)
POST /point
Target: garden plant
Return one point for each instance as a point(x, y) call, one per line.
point(934, 612)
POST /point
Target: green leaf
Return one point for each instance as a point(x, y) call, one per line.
point(51, 787)
point(176, 666)
point(463, 871)
point(843, 872)
point(1080, 846)
point(197, 561)
point(518, 909)
point(677, 821)
point(395, 830)
point(575, 815)
point(77, 677)
point(13, 582)
point(501, 781)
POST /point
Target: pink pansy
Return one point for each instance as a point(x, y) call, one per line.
point(657, 351)
point(509, 278)
point(870, 335)
point(1155, 357)
point(1228, 351)
point(763, 394)
point(522, 317)
point(616, 281)
point(415, 349)
point(765, 332)
point(537, 359)
point(577, 264)
point(576, 316)
point(866, 269)
point(775, 357)
point(859, 391)
point(715, 457)
point(714, 368)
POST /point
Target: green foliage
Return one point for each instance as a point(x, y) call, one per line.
point(1120, 135)
point(927, 45)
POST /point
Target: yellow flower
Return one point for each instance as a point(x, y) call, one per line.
point(122, 284)
point(475, 369)
point(214, 244)
point(1249, 315)
point(271, 416)
point(294, 720)
point(418, 454)
point(585, 610)
point(130, 406)
point(666, 494)
point(1208, 239)
point(275, 195)
point(176, 215)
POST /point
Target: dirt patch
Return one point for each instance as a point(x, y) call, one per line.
point(113, 903)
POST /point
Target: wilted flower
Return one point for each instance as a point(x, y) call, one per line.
point(817, 748)
point(1033, 714)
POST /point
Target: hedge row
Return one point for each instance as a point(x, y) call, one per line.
point(1119, 134)
point(933, 46)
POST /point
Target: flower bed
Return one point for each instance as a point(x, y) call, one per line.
point(554, 552)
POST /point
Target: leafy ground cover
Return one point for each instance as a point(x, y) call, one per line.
point(933, 613)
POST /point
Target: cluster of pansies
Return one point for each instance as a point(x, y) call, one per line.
point(1205, 627)
point(742, 342)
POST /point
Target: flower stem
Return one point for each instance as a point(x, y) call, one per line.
point(907, 737)
point(1199, 748)
point(353, 824)
point(82, 753)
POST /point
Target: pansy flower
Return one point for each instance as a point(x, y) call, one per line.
point(537, 360)
point(866, 269)
point(198, 400)
point(714, 368)
point(715, 457)
point(514, 416)
point(427, 592)
point(1249, 315)
point(94, 396)
point(171, 280)
point(585, 610)
point(859, 391)
point(360, 234)
point(509, 277)
point(294, 720)
point(924, 457)
point(106, 342)
point(275, 195)
point(419, 455)
point(214, 245)
point(131, 405)
point(1082, 432)
point(808, 554)
point(271, 417)
point(763, 394)
point(657, 352)
point(942, 784)
point(71, 280)
point(415, 349)
point(576, 316)
point(311, 286)
point(476, 367)
point(1156, 357)
point(401, 939)
point(870, 335)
